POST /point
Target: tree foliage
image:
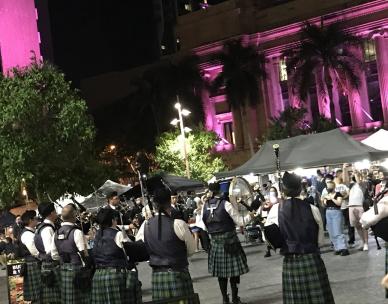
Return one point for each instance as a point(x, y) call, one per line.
point(292, 122)
point(203, 163)
point(46, 135)
point(328, 52)
point(242, 69)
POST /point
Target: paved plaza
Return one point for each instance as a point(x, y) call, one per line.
point(355, 279)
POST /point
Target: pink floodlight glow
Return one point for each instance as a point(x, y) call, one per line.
point(19, 36)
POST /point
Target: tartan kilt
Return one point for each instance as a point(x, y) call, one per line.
point(305, 280)
point(52, 294)
point(32, 282)
point(222, 264)
point(114, 286)
point(171, 284)
point(69, 294)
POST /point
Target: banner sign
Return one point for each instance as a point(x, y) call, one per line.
point(15, 281)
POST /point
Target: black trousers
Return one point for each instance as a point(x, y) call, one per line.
point(351, 236)
point(204, 239)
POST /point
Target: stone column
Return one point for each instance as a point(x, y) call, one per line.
point(274, 95)
point(382, 69)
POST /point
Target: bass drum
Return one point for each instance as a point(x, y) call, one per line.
point(381, 229)
point(240, 189)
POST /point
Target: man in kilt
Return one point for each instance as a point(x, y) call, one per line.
point(226, 256)
point(44, 236)
point(169, 242)
point(69, 243)
point(305, 279)
point(31, 272)
point(115, 280)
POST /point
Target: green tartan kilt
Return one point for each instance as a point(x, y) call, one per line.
point(225, 263)
point(171, 284)
point(115, 287)
point(32, 283)
point(51, 294)
point(70, 294)
point(305, 280)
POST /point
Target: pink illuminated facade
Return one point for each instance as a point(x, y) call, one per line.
point(274, 30)
point(19, 35)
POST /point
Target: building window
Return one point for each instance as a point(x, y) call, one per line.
point(228, 132)
point(369, 50)
point(373, 87)
point(343, 101)
point(283, 70)
point(285, 94)
point(222, 107)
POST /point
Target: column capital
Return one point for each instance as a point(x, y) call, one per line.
point(381, 32)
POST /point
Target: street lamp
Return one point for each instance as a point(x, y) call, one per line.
point(175, 121)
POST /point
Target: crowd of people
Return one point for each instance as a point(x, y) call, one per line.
point(64, 263)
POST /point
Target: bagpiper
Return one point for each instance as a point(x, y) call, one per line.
point(44, 236)
point(169, 243)
point(227, 258)
point(116, 279)
point(304, 277)
point(31, 273)
point(69, 243)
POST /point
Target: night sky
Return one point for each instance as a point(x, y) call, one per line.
point(91, 37)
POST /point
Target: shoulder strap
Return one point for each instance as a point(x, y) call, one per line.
point(43, 225)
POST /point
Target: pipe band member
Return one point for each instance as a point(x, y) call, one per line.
point(226, 257)
point(304, 278)
point(169, 243)
point(116, 279)
point(28, 250)
point(69, 243)
point(44, 235)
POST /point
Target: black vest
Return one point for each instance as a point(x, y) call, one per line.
point(169, 251)
point(39, 241)
point(67, 249)
point(298, 227)
point(220, 221)
point(23, 250)
point(106, 252)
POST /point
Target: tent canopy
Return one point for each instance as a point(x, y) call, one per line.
point(172, 182)
point(378, 140)
point(307, 151)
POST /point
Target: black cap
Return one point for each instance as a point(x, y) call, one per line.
point(214, 187)
point(162, 196)
point(105, 216)
point(292, 184)
point(45, 208)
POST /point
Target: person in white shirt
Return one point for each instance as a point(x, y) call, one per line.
point(70, 244)
point(113, 268)
point(227, 259)
point(32, 274)
point(169, 243)
point(304, 276)
point(50, 266)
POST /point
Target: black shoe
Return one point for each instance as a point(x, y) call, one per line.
point(238, 301)
point(226, 300)
point(267, 254)
point(337, 252)
point(344, 252)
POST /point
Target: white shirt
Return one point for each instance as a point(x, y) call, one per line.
point(356, 195)
point(79, 240)
point(181, 230)
point(273, 214)
point(47, 234)
point(120, 238)
point(27, 239)
point(344, 190)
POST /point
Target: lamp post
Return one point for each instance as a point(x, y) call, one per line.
point(181, 113)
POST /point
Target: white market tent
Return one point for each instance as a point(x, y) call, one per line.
point(378, 140)
point(307, 151)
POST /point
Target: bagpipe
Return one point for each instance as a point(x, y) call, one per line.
point(272, 233)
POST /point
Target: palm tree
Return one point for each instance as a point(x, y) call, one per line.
point(328, 52)
point(242, 70)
